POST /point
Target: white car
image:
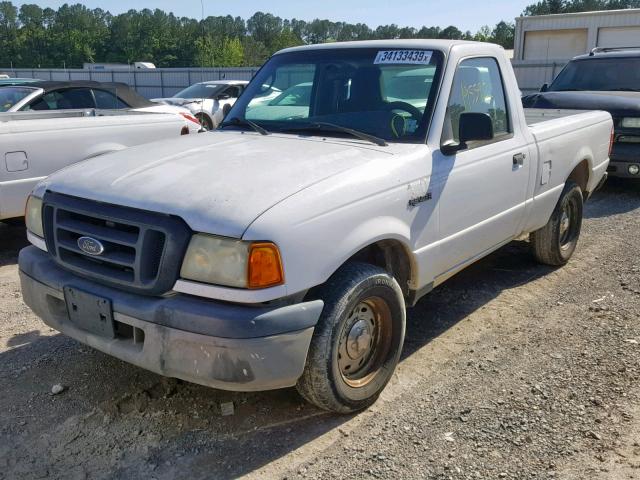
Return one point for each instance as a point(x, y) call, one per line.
point(209, 102)
point(33, 145)
point(284, 251)
point(74, 95)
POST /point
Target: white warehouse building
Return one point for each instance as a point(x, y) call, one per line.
point(544, 44)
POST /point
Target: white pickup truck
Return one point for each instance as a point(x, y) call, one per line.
point(283, 250)
point(33, 145)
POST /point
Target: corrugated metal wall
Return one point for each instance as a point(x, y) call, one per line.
point(592, 21)
point(531, 75)
point(153, 83)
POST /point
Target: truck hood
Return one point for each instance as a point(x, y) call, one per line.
point(218, 182)
point(618, 104)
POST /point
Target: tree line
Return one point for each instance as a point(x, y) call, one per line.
point(548, 7)
point(32, 37)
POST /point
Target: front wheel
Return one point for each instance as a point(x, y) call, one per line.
point(205, 121)
point(555, 243)
point(358, 340)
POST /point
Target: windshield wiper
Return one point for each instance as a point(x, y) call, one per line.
point(239, 122)
point(332, 127)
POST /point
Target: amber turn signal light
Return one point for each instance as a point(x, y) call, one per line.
point(265, 266)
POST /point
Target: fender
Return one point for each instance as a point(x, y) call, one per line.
point(370, 232)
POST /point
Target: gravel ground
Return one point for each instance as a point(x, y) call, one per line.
point(510, 370)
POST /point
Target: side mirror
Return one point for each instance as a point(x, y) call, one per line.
point(544, 88)
point(473, 126)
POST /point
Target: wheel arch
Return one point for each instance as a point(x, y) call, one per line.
point(581, 174)
point(394, 256)
point(205, 114)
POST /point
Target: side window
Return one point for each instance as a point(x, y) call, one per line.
point(108, 100)
point(75, 98)
point(233, 92)
point(477, 88)
point(49, 101)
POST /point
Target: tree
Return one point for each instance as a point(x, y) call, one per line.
point(230, 53)
point(205, 55)
point(8, 32)
point(504, 34)
point(451, 33)
point(485, 34)
point(546, 7)
point(264, 28)
point(35, 37)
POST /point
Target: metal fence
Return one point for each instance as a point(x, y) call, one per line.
point(152, 83)
point(165, 82)
point(531, 75)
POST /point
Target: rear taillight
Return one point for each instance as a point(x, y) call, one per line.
point(190, 117)
point(611, 140)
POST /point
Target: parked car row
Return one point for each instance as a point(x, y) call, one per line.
point(345, 182)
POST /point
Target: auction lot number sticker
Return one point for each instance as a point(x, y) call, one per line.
point(395, 57)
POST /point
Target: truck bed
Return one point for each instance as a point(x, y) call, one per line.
point(534, 116)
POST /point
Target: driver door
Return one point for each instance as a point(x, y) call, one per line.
point(483, 188)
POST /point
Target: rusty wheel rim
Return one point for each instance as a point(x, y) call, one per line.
point(364, 342)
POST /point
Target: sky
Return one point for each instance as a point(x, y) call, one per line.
point(465, 14)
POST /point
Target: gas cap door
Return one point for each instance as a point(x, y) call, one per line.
point(16, 161)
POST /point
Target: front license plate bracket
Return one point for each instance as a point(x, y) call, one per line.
point(90, 312)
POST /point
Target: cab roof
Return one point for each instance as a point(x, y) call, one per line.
point(444, 45)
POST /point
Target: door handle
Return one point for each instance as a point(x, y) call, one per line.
point(518, 159)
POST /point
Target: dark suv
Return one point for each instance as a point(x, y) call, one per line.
point(606, 79)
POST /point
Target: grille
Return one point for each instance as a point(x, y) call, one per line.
point(142, 250)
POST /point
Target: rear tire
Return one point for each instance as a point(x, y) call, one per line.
point(555, 243)
point(357, 342)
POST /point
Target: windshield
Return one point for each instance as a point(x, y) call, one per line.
point(600, 74)
point(385, 93)
point(9, 96)
point(200, 90)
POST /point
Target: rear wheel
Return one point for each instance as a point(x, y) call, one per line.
point(358, 340)
point(555, 243)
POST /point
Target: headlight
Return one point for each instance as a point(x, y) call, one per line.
point(630, 122)
point(33, 216)
point(232, 263)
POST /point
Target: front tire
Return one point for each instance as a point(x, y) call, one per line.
point(358, 340)
point(555, 243)
point(205, 121)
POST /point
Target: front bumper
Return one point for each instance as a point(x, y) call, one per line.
point(623, 155)
point(231, 347)
point(621, 169)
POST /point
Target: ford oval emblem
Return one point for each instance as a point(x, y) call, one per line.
point(90, 246)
